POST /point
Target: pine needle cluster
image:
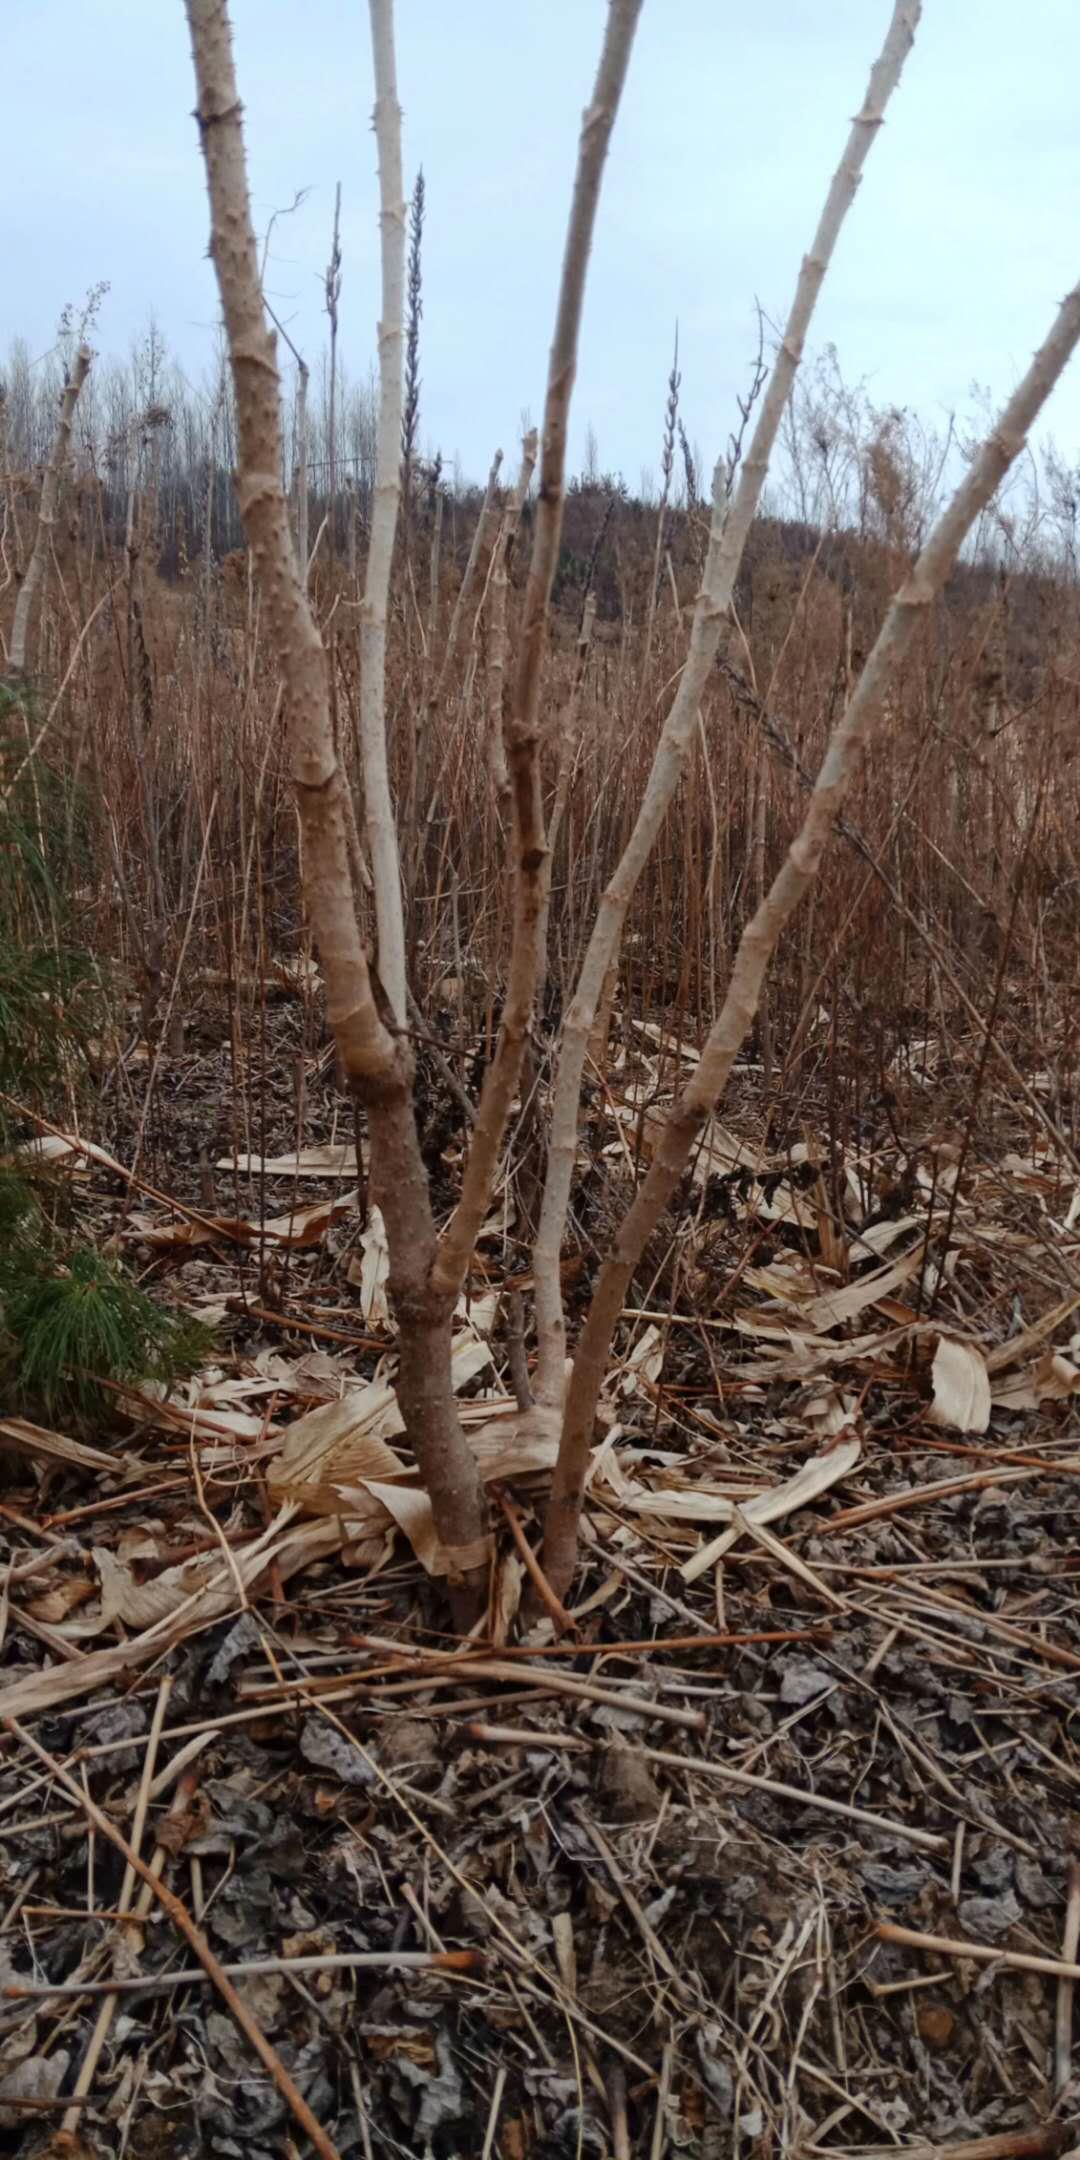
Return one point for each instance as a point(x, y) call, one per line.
point(74, 1326)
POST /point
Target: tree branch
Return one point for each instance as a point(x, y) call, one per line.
point(727, 538)
point(762, 933)
point(381, 827)
point(532, 865)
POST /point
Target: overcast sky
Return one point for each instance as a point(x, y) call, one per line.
point(962, 241)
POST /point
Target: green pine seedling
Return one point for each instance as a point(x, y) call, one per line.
point(70, 1329)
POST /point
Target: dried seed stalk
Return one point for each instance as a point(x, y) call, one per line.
point(50, 491)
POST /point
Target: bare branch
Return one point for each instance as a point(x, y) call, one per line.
point(381, 828)
point(759, 940)
point(730, 525)
point(522, 735)
point(500, 582)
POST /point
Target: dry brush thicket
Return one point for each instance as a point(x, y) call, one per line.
point(428, 1271)
point(664, 911)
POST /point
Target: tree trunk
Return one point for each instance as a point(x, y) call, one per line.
point(375, 1056)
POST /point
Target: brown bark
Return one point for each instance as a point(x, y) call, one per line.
point(375, 1056)
point(532, 864)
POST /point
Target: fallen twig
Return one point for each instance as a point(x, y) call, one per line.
point(298, 1324)
point(939, 1489)
point(493, 2112)
point(552, 1683)
point(1053, 1653)
point(24, 2104)
point(929, 1840)
point(197, 1975)
point(554, 1607)
point(660, 1955)
point(107, 2011)
point(633, 1646)
point(1048, 2138)
point(1070, 1939)
point(519, 1736)
point(985, 1953)
point(181, 1919)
